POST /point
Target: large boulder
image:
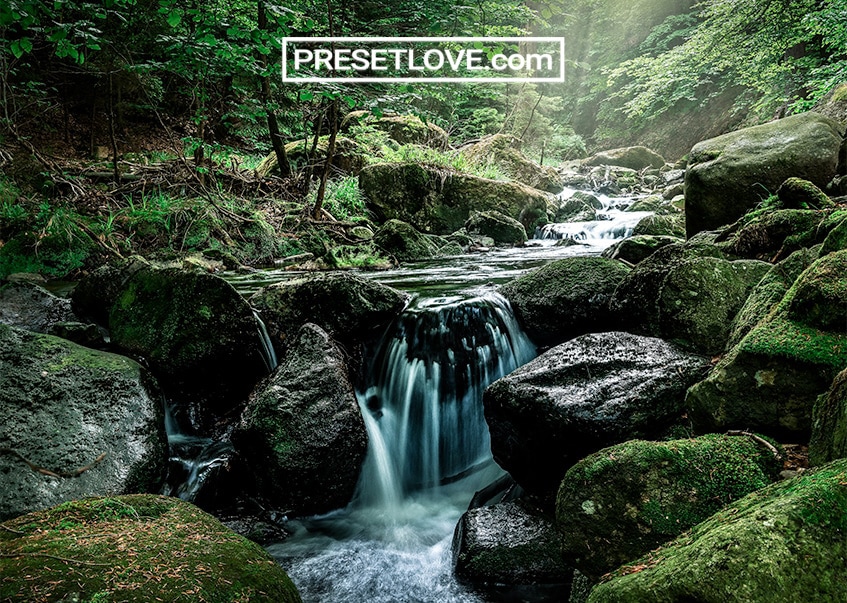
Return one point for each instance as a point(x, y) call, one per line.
point(770, 380)
point(591, 392)
point(829, 424)
point(437, 201)
point(404, 242)
point(661, 225)
point(503, 152)
point(680, 295)
point(637, 248)
point(199, 337)
point(509, 543)
point(731, 174)
point(634, 158)
point(624, 501)
point(136, 549)
point(67, 408)
point(782, 544)
point(503, 229)
point(351, 308)
point(565, 298)
point(303, 415)
point(31, 307)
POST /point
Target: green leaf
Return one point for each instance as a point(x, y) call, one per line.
point(21, 47)
point(305, 95)
point(174, 18)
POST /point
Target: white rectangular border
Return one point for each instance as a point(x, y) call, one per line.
point(412, 80)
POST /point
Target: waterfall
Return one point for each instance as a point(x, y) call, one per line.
point(267, 347)
point(423, 409)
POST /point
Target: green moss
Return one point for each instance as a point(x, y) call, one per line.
point(134, 549)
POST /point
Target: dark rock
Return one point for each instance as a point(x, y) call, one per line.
point(28, 306)
point(86, 334)
point(404, 242)
point(637, 248)
point(796, 193)
point(581, 396)
point(575, 209)
point(731, 174)
point(509, 543)
point(565, 298)
point(63, 406)
point(784, 543)
point(636, 158)
point(624, 501)
point(135, 548)
point(303, 415)
point(664, 226)
point(94, 295)
point(501, 228)
point(829, 424)
point(836, 240)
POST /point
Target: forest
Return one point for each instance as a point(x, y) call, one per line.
point(469, 341)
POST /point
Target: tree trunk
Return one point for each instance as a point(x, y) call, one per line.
point(273, 125)
point(330, 153)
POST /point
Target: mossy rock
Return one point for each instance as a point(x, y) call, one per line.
point(304, 414)
point(655, 203)
point(665, 226)
point(351, 308)
point(53, 256)
point(575, 209)
point(403, 129)
point(135, 549)
point(637, 248)
point(636, 158)
point(440, 201)
point(503, 229)
point(624, 501)
point(836, 240)
point(784, 543)
point(829, 424)
point(348, 157)
point(731, 174)
point(503, 151)
point(405, 242)
point(770, 380)
point(796, 193)
point(773, 235)
point(63, 406)
point(565, 298)
point(198, 335)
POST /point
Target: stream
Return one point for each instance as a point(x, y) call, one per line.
point(428, 441)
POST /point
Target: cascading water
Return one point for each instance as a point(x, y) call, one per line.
point(429, 452)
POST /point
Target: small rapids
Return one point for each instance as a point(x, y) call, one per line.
point(613, 224)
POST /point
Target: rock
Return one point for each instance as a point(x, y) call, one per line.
point(796, 193)
point(303, 415)
point(773, 235)
point(836, 240)
point(403, 129)
point(565, 298)
point(503, 152)
point(834, 104)
point(576, 209)
point(663, 226)
point(784, 543)
point(637, 248)
point(829, 424)
point(583, 395)
point(501, 228)
point(731, 174)
point(440, 202)
point(63, 406)
point(673, 191)
point(635, 158)
point(351, 308)
point(624, 501)
point(28, 306)
point(86, 334)
point(676, 294)
point(509, 543)
point(770, 290)
point(405, 242)
point(134, 548)
point(361, 233)
point(96, 292)
point(348, 157)
point(770, 380)
point(197, 334)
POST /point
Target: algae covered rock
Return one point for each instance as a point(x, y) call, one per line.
point(503, 152)
point(784, 543)
point(404, 241)
point(774, 235)
point(591, 392)
point(635, 158)
point(665, 226)
point(829, 423)
point(836, 240)
point(135, 549)
point(770, 380)
point(351, 308)
point(565, 298)
point(438, 201)
point(731, 174)
point(801, 194)
point(625, 500)
point(637, 248)
point(501, 228)
point(66, 407)
point(197, 334)
point(304, 414)
point(509, 543)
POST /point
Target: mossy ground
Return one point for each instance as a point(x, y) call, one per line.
point(134, 549)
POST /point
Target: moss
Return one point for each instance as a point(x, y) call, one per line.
point(829, 424)
point(836, 240)
point(802, 194)
point(666, 226)
point(784, 543)
point(642, 494)
point(134, 548)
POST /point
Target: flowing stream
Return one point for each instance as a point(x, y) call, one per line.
point(428, 441)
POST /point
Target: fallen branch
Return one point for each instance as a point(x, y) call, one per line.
point(48, 472)
point(739, 432)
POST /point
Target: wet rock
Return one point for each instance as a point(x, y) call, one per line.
point(663, 226)
point(784, 543)
point(404, 242)
point(95, 294)
point(637, 248)
point(583, 395)
point(135, 548)
point(731, 174)
point(28, 306)
point(565, 298)
point(636, 158)
point(64, 406)
point(501, 228)
point(303, 415)
point(624, 501)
